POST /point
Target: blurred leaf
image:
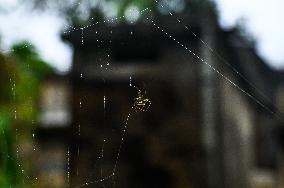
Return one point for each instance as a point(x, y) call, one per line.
point(30, 60)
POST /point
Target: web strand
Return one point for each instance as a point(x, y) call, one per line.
point(223, 60)
point(111, 20)
point(117, 157)
point(200, 59)
point(102, 178)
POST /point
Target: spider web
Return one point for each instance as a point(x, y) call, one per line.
point(187, 50)
point(105, 67)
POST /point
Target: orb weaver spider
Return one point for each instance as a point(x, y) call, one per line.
point(141, 103)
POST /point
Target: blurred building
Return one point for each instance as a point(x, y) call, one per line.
point(204, 128)
point(53, 133)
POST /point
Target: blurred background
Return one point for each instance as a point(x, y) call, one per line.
point(141, 93)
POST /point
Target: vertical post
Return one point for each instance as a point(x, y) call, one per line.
point(211, 132)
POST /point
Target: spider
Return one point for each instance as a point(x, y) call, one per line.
point(141, 103)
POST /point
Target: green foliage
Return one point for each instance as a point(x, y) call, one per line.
point(21, 73)
point(202, 7)
point(10, 173)
point(5, 94)
point(139, 3)
point(29, 60)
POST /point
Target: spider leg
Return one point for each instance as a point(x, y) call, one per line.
point(149, 104)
